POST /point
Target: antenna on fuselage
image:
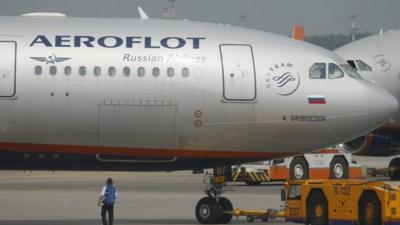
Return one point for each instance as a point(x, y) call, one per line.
point(143, 15)
point(353, 27)
point(242, 17)
point(172, 10)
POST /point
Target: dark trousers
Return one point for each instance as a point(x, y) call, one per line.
point(110, 210)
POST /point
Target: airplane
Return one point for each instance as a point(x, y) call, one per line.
point(376, 59)
point(163, 95)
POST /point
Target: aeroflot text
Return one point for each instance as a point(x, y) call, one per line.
point(116, 42)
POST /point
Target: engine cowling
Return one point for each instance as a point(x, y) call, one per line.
point(372, 145)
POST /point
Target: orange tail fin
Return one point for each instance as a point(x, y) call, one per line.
point(298, 32)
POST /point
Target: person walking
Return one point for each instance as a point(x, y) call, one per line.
point(107, 199)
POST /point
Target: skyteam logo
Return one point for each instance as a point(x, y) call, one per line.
point(283, 79)
point(382, 62)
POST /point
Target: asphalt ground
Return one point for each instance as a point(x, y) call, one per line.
point(70, 198)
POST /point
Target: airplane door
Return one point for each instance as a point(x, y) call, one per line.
point(7, 68)
point(239, 75)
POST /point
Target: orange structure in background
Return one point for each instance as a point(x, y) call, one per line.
point(298, 32)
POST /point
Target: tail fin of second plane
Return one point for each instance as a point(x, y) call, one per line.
point(298, 32)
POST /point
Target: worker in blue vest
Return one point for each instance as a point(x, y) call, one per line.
point(107, 199)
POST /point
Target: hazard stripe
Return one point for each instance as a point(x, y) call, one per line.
point(235, 176)
point(252, 176)
point(257, 177)
point(260, 176)
point(267, 176)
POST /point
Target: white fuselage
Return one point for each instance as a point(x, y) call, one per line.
point(381, 53)
point(179, 89)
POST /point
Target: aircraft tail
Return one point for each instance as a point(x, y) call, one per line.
point(298, 32)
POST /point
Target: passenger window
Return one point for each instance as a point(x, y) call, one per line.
point(185, 72)
point(82, 71)
point(170, 72)
point(111, 71)
point(67, 70)
point(363, 66)
point(38, 70)
point(53, 70)
point(126, 71)
point(352, 64)
point(97, 71)
point(141, 71)
point(156, 71)
point(335, 72)
point(318, 71)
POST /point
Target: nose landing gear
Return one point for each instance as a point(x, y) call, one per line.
point(214, 209)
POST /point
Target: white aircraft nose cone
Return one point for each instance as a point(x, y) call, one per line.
point(383, 104)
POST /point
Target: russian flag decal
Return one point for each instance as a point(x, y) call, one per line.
point(316, 99)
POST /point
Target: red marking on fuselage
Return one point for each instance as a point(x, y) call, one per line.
point(151, 152)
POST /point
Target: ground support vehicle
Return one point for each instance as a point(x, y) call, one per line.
point(322, 202)
point(326, 164)
point(263, 215)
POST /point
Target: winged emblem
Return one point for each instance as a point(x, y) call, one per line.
point(52, 59)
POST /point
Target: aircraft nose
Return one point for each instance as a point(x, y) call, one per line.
point(383, 104)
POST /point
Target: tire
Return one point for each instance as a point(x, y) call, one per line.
point(253, 183)
point(299, 169)
point(317, 208)
point(394, 167)
point(226, 206)
point(339, 168)
point(250, 219)
point(208, 211)
point(370, 210)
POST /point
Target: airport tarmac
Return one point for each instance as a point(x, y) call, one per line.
point(70, 198)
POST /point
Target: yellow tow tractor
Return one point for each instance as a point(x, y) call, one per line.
point(321, 202)
point(324, 202)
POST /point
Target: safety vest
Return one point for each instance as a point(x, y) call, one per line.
point(109, 196)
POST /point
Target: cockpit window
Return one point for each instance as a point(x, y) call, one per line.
point(362, 66)
point(334, 71)
point(352, 64)
point(350, 71)
point(318, 71)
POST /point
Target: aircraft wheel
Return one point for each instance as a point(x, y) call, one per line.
point(299, 169)
point(317, 208)
point(208, 211)
point(226, 206)
point(339, 168)
point(370, 210)
point(394, 167)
